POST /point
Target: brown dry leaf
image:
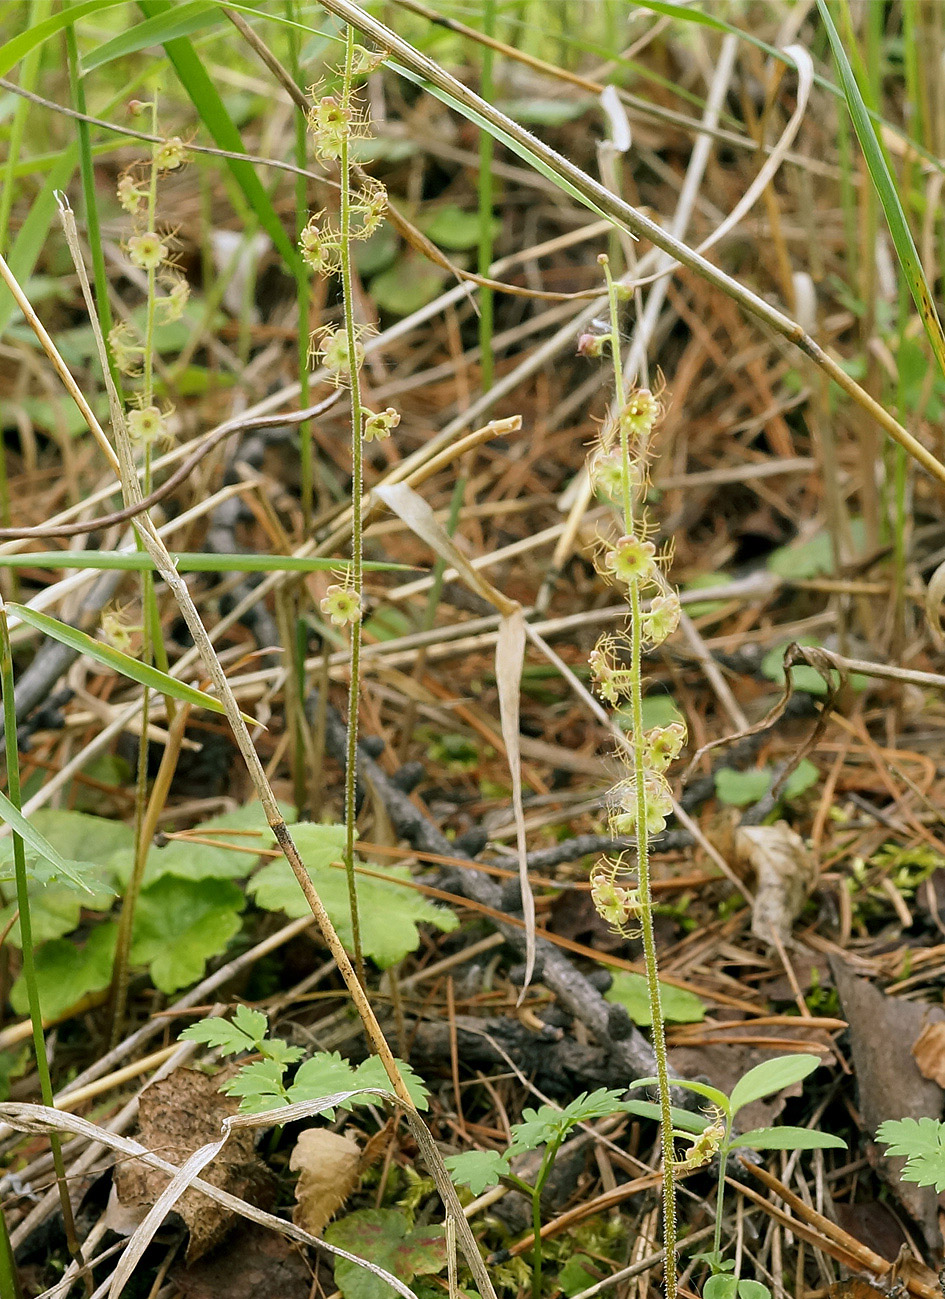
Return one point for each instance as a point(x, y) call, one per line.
point(784, 871)
point(257, 1264)
point(177, 1115)
point(929, 1052)
point(328, 1167)
point(883, 1031)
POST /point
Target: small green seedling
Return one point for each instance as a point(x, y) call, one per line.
point(922, 1143)
point(261, 1084)
point(548, 1127)
point(715, 1136)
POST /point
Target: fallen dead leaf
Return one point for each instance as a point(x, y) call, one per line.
point(785, 873)
point(257, 1264)
point(883, 1032)
point(327, 1164)
point(929, 1053)
point(176, 1116)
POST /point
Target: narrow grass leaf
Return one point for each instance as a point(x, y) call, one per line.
point(184, 20)
point(15, 818)
point(190, 562)
point(885, 186)
point(195, 79)
point(20, 45)
point(124, 664)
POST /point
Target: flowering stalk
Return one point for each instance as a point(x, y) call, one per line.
point(642, 801)
point(357, 536)
point(326, 248)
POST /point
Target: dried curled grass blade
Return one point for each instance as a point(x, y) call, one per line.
point(509, 657)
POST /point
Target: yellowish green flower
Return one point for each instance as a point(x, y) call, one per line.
point(640, 413)
point(342, 605)
point(131, 195)
point(632, 560)
point(147, 251)
point(664, 745)
point(170, 154)
point(662, 617)
point(147, 425)
point(378, 426)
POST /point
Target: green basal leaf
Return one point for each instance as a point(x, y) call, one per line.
point(740, 788)
point(180, 925)
point(390, 912)
point(386, 1237)
point(246, 829)
point(771, 1076)
point(788, 1138)
point(71, 870)
point(67, 972)
point(630, 991)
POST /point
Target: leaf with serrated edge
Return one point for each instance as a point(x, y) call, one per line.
point(477, 1169)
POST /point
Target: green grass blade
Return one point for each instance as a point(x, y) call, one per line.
point(19, 46)
point(184, 20)
point(32, 234)
point(885, 187)
point(195, 79)
point(124, 664)
point(192, 562)
point(10, 813)
point(498, 134)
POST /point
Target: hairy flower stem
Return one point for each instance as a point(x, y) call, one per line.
point(640, 769)
point(658, 1030)
point(357, 477)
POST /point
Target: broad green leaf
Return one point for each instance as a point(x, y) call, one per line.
point(544, 112)
point(56, 903)
point(771, 1076)
point(685, 1120)
point(180, 924)
point(705, 581)
point(196, 861)
point(753, 1290)
point(576, 1275)
point(739, 788)
point(788, 1138)
point(812, 558)
point(386, 1238)
point(803, 778)
point(450, 227)
point(679, 1006)
point(69, 868)
point(700, 1088)
point(922, 1143)
point(805, 678)
point(885, 186)
point(184, 20)
point(124, 664)
point(66, 972)
point(196, 80)
point(720, 1286)
point(477, 1169)
point(406, 286)
point(389, 912)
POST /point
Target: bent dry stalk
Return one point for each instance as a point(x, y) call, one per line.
point(641, 802)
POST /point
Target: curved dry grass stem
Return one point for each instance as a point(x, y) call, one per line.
point(622, 213)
